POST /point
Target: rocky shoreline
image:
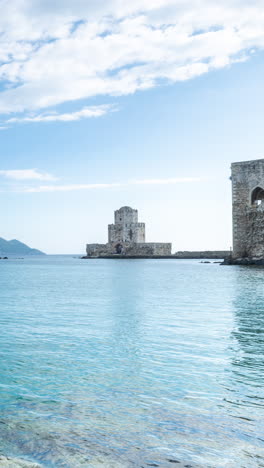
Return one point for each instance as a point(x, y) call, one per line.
point(244, 261)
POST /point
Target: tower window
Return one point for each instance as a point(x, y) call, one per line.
point(257, 196)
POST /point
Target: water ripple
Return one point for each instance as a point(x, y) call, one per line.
point(131, 364)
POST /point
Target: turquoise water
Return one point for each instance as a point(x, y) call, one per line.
point(138, 363)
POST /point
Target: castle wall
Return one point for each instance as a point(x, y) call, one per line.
point(248, 209)
point(148, 249)
point(145, 249)
point(95, 250)
point(202, 254)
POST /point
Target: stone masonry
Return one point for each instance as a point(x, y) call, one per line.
point(126, 229)
point(248, 211)
point(126, 237)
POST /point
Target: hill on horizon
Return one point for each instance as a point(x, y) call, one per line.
point(15, 247)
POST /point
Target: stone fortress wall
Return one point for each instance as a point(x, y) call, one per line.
point(248, 210)
point(126, 237)
point(203, 254)
point(147, 249)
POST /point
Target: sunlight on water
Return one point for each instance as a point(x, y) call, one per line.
point(127, 363)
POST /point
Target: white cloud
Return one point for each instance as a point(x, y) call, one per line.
point(69, 188)
point(86, 112)
point(75, 187)
point(54, 52)
point(173, 180)
point(27, 174)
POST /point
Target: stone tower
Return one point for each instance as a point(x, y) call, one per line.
point(248, 209)
point(126, 239)
point(126, 229)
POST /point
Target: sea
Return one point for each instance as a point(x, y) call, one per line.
point(131, 363)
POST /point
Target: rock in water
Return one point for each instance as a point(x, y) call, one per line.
point(7, 462)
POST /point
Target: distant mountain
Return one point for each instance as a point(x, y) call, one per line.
point(14, 247)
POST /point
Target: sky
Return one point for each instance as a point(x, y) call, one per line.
point(143, 103)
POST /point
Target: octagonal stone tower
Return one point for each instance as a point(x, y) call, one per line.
point(248, 210)
point(126, 227)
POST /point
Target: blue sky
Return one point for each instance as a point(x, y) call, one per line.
point(134, 105)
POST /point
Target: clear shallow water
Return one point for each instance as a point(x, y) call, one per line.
point(131, 363)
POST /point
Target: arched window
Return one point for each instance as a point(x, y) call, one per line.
point(257, 196)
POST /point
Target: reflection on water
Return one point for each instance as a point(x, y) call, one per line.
point(246, 396)
point(131, 363)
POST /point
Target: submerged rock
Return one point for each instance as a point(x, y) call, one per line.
point(7, 462)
